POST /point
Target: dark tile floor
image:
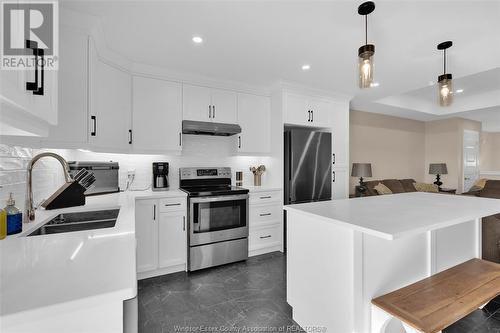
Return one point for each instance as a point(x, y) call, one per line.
point(232, 298)
point(245, 297)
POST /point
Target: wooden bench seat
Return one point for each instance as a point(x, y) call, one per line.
point(434, 303)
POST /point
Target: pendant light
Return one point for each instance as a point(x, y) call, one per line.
point(445, 85)
point(366, 52)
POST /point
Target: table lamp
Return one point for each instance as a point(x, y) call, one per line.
point(438, 169)
point(361, 170)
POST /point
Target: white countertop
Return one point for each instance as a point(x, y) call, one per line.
point(92, 266)
point(399, 215)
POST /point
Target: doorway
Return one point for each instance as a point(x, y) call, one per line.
point(470, 159)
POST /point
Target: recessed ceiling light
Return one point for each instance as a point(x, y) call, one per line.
point(458, 91)
point(306, 67)
point(197, 39)
point(374, 84)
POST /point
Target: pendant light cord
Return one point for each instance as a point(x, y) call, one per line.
point(444, 62)
point(366, 29)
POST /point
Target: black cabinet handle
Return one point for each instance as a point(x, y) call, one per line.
point(210, 111)
point(333, 159)
point(94, 123)
point(129, 136)
point(266, 197)
point(154, 212)
point(333, 176)
point(265, 214)
point(268, 236)
point(174, 204)
point(183, 223)
point(213, 109)
point(180, 139)
point(34, 86)
point(309, 113)
point(312, 116)
point(239, 141)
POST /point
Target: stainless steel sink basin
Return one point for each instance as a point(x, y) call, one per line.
point(69, 222)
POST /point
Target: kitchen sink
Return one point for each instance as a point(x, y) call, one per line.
point(69, 222)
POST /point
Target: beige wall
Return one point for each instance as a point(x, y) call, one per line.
point(490, 151)
point(443, 145)
point(394, 146)
point(404, 148)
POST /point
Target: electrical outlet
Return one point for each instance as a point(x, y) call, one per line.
point(131, 172)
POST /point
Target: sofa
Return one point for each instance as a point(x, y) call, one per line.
point(395, 185)
point(491, 224)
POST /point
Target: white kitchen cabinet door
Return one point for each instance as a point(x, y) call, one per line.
point(340, 134)
point(110, 113)
point(156, 115)
point(224, 104)
point(340, 187)
point(321, 112)
point(146, 233)
point(196, 103)
point(297, 110)
point(254, 117)
point(72, 125)
point(172, 239)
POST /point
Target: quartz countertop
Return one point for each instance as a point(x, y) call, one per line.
point(400, 215)
point(92, 266)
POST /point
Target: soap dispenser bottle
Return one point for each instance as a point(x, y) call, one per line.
point(14, 217)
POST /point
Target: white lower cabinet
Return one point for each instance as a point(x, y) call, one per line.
point(265, 222)
point(172, 239)
point(160, 228)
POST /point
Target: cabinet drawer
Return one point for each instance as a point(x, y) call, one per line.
point(264, 237)
point(264, 214)
point(264, 197)
point(172, 204)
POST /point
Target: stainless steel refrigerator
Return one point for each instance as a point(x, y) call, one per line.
point(308, 166)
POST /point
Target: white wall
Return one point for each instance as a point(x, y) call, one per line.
point(198, 151)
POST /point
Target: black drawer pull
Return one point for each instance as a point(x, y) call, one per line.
point(265, 214)
point(174, 204)
point(266, 197)
point(94, 123)
point(268, 236)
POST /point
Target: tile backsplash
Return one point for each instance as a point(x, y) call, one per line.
point(198, 151)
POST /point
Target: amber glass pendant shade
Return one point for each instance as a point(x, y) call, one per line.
point(365, 65)
point(445, 90)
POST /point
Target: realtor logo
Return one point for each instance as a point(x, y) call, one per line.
point(28, 26)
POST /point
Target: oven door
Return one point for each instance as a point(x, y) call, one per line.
point(215, 219)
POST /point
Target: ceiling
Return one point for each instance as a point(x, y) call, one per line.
point(261, 42)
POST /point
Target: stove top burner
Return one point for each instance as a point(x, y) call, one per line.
point(199, 191)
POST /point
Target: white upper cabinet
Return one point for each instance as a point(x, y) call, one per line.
point(307, 111)
point(196, 103)
point(110, 101)
point(156, 115)
point(254, 117)
point(73, 79)
point(23, 111)
point(340, 134)
point(224, 106)
point(207, 104)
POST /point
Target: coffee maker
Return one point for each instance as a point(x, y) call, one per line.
point(160, 176)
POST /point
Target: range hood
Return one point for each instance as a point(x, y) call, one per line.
point(209, 128)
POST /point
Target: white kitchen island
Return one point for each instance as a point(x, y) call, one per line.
point(343, 253)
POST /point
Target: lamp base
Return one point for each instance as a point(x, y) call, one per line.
point(438, 181)
point(362, 187)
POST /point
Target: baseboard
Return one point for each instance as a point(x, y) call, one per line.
point(161, 271)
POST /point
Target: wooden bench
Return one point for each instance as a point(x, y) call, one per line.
point(434, 303)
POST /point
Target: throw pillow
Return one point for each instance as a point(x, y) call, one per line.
point(382, 189)
point(423, 187)
point(481, 182)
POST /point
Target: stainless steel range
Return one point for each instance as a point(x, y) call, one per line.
point(217, 215)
